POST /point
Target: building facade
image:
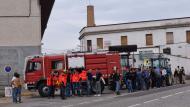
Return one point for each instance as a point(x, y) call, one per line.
point(169, 38)
point(22, 25)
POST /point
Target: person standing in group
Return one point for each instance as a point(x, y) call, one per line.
point(168, 76)
point(98, 82)
point(152, 77)
point(89, 82)
point(133, 78)
point(75, 82)
point(17, 87)
point(129, 81)
point(62, 81)
point(176, 76)
point(163, 77)
point(146, 77)
point(158, 77)
point(51, 81)
point(139, 79)
point(83, 81)
point(68, 84)
point(116, 79)
point(182, 76)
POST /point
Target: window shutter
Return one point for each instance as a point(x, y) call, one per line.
point(124, 40)
point(149, 40)
point(99, 43)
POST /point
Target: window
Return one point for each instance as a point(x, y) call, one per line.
point(57, 65)
point(99, 43)
point(169, 38)
point(149, 39)
point(124, 40)
point(34, 66)
point(188, 36)
point(89, 45)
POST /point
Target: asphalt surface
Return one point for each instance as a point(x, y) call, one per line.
point(173, 96)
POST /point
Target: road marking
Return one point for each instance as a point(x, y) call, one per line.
point(151, 101)
point(109, 97)
point(134, 105)
point(164, 97)
point(68, 106)
point(179, 92)
point(98, 100)
point(188, 91)
point(84, 103)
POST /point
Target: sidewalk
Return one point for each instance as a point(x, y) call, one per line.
point(25, 93)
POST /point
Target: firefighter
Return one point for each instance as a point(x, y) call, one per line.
point(75, 82)
point(51, 81)
point(62, 81)
point(68, 84)
point(83, 81)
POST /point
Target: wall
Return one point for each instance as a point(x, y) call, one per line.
point(20, 33)
point(139, 38)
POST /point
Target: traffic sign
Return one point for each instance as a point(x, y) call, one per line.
point(8, 69)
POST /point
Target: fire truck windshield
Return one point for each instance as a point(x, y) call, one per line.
point(57, 65)
point(33, 66)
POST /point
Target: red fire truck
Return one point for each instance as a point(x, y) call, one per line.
point(38, 68)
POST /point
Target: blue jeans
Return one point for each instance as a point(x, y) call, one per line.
point(76, 87)
point(129, 85)
point(51, 92)
point(117, 88)
point(89, 87)
point(16, 94)
point(68, 89)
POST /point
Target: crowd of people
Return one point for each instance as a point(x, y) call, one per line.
point(75, 82)
point(79, 82)
point(145, 78)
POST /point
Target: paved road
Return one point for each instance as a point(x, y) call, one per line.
point(174, 96)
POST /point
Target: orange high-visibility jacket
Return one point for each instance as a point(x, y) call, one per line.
point(63, 79)
point(49, 81)
point(83, 75)
point(75, 78)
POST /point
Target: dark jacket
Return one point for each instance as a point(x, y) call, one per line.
point(116, 77)
point(98, 76)
point(89, 75)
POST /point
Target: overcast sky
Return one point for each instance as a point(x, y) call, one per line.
point(69, 17)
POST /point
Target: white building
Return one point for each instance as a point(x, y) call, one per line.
point(151, 37)
point(22, 25)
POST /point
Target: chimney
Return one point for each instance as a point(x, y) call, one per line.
point(90, 16)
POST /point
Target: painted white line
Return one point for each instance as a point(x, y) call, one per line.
point(134, 105)
point(68, 106)
point(164, 97)
point(109, 97)
point(151, 101)
point(97, 100)
point(84, 103)
point(179, 93)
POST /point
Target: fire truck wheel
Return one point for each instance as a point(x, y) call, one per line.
point(43, 90)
